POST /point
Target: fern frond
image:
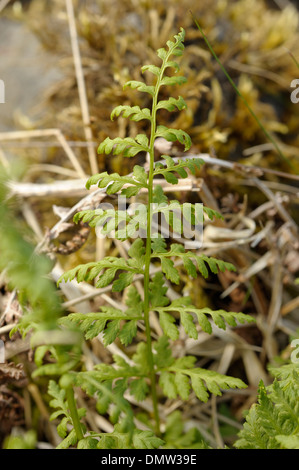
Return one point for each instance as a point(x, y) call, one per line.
point(89, 271)
point(188, 312)
point(177, 437)
point(59, 401)
point(136, 440)
point(128, 146)
point(180, 375)
point(171, 166)
point(172, 135)
point(132, 112)
point(273, 422)
point(114, 182)
point(172, 104)
point(109, 321)
point(177, 250)
point(140, 86)
point(113, 322)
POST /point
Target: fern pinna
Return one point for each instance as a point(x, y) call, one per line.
point(152, 369)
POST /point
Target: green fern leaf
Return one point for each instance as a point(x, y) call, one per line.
point(273, 422)
point(92, 324)
point(202, 381)
point(158, 291)
point(140, 86)
point(169, 270)
point(139, 389)
point(167, 324)
point(220, 317)
point(146, 440)
point(134, 113)
point(182, 385)
point(172, 104)
point(128, 146)
point(169, 81)
point(167, 384)
point(163, 354)
point(87, 272)
point(174, 134)
point(151, 68)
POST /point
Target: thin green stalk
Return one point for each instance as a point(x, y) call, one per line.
point(240, 95)
point(73, 411)
point(294, 58)
point(147, 267)
point(148, 248)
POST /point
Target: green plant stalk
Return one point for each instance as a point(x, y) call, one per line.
point(147, 265)
point(240, 95)
point(294, 59)
point(148, 248)
point(73, 411)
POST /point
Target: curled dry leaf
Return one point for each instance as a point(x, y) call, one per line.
point(11, 373)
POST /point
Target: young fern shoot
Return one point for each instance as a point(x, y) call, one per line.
point(154, 368)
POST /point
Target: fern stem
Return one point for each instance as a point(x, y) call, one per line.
point(148, 260)
point(73, 411)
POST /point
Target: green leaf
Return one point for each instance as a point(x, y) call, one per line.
point(87, 443)
point(140, 358)
point(167, 324)
point(202, 381)
point(157, 291)
point(177, 250)
point(124, 280)
point(174, 134)
point(162, 53)
point(137, 251)
point(188, 324)
point(220, 317)
point(163, 355)
point(128, 146)
point(146, 440)
point(172, 104)
point(151, 68)
point(176, 80)
point(199, 388)
point(173, 64)
point(169, 270)
point(142, 140)
point(69, 441)
point(139, 389)
point(133, 300)
point(134, 113)
point(87, 272)
point(58, 400)
point(140, 174)
point(128, 332)
point(140, 86)
point(288, 442)
point(167, 383)
point(92, 324)
point(272, 422)
point(159, 245)
point(212, 214)
point(170, 178)
point(182, 385)
point(159, 196)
